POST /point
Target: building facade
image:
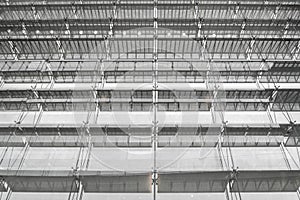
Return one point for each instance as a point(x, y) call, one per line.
point(161, 99)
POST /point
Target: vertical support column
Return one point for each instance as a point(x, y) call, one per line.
point(102, 72)
point(200, 20)
point(67, 25)
point(154, 101)
point(82, 163)
point(292, 134)
point(60, 49)
point(275, 13)
point(227, 163)
point(233, 179)
point(263, 66)
point(272, 97)
point(250, 48)
point(298, 193)
point(8, 192)
point(295, 52)
point(14, 50)
point(99, 71)
point(283, 150)
point(97, 106)
point(35, 13)
point(2, 81)
point(37, 117)
point(24, 153)
point(243, 26)
point(213, 85)
point(76, 190)
point(50, 73)
point(75, 10)
point(197, 17)
point(110, 34)
point(223, 161)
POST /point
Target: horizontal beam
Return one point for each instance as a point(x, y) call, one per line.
point(170, 24)
point(96, 38)
point(139, 65)
point(203, 181)
point(132, 100)
point(144, 141)
point(160, 60)
point(65, 181)
point(147, 86)
point(246, 181)
point(145, 5)
point(56, 118)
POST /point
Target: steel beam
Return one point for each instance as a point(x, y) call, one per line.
point(115, 118)
point(209, 181)
point(146, 86)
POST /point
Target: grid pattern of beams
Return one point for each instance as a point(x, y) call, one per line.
point(168, 96)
